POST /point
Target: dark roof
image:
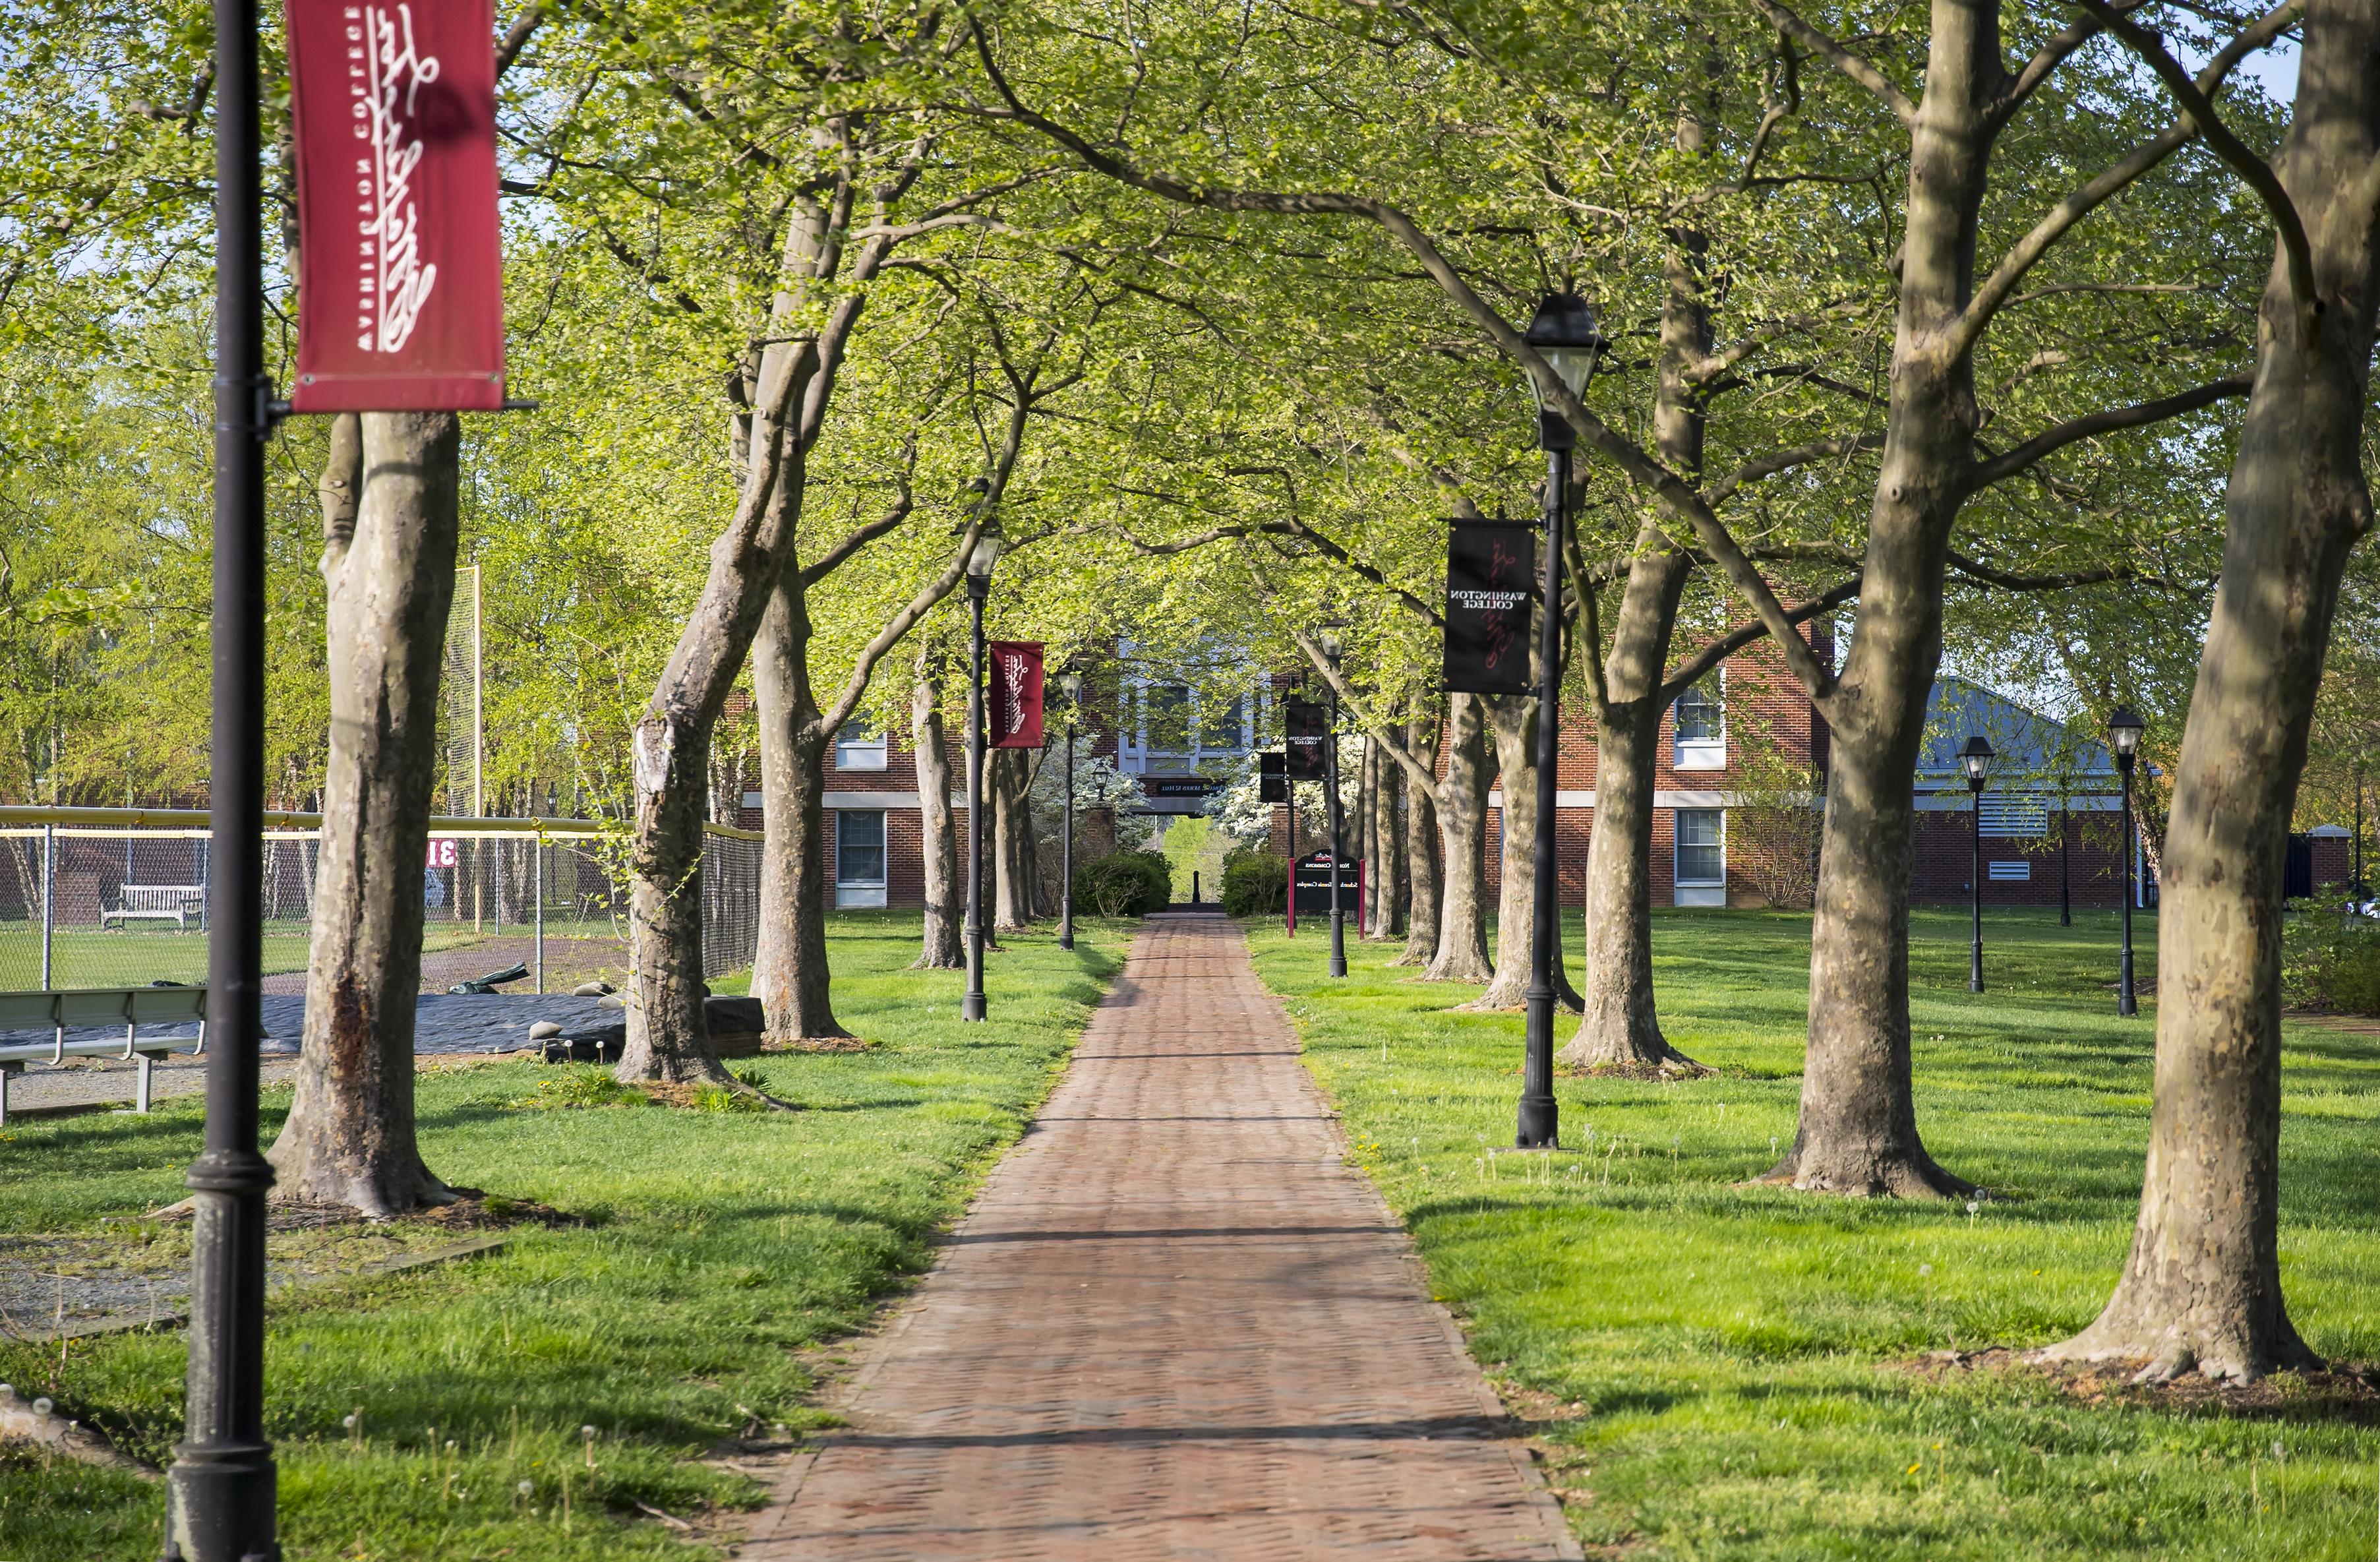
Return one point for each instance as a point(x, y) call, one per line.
point(2031, 748)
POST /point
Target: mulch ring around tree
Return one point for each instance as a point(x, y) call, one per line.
point(2343, 1392)
point(1669, 1071)
point(820, 1044)
point(134, 1272)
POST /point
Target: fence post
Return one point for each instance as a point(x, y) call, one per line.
point(49, 897)
point(536, 891)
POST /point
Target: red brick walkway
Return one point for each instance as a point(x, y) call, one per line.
point(1175, 1324)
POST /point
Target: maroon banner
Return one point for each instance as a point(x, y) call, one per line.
point(400, 273)
point(1015, 713)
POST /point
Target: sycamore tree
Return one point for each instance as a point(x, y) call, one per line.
point(2201, 1288)
point(1254, 156)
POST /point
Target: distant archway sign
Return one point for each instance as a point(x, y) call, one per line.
point(1489, 585)
point(400, 295)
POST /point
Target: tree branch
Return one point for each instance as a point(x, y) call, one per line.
point(1676, 496)
point(837, 556)
point(1842, 59)
point(899, 625)
point(516, 37)
point(1424, 777)
point(2046, 59)
point(2020, 258)
point(1786, 460)
point(2107, 421)
point(2257, 173)
point(1691, 672)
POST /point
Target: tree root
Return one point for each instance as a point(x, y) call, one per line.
point(2225, 1350)
point(1911, 1177)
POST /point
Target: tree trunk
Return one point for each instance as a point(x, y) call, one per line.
point(1011, 825)
point(1858, 1127)
point(790, 973)
point(1421, 853)
point(1513, 719)
point(1396, 887)
point(1462, 954)
point(2201, 1287)
point(726, 786)
point(945, 891)
point(1370, 841)
point(791, 388)
point(389, 562)
point(1620, 1026)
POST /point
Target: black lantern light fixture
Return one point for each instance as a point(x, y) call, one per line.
point(981, 559)
point(1333, 650)
point(2124, 733)
point(1070, 684)
point(1975, 758)
point(1564, 334)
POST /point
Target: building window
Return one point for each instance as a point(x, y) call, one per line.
point(1701, 873)
point(856, 748)
point(1168, 726)
point(860, 856)
point(1702, 727)
point(2013, 816)
point(1222, 724)
point(2008, 872)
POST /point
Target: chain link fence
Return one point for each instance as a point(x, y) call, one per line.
point(118, 897)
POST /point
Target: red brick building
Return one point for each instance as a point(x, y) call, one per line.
point(1740, 772)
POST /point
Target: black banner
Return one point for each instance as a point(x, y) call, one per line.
point(1272, 777)
point(1306, 727)
point(1490, 570)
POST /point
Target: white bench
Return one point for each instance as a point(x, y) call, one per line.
point(87, 1008)
point(161, 902)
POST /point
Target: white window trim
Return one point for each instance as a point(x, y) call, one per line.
point(1700, 753)
point(863, 753)
point(1698, 892)
point(852, 894)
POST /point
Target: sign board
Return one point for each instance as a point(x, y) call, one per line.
point(1015, 706)
point(400, 292)
point(1489, 587)
point(441, 852)
point(1312, 881)
point(1272, 777)
point(1306, 727)
point(1177, 786)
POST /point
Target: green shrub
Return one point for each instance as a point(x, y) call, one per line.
point(1125, 883)
point(1255, 884)
point(2328, 963)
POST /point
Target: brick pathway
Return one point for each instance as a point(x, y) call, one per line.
point(1175, 1324)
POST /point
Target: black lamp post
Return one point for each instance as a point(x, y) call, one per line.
point(220, 1492)
point(1564, 334)
point(2124, 731)
point(1332, 650)
point(1976, 759)
point(1070, 683)
point(980, 559)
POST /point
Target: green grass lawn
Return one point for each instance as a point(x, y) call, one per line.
point(1718, 1370)
point(720, 1245)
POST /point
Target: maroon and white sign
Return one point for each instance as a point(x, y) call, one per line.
point(1015, 694)
point(441, 852)
point(400, 283)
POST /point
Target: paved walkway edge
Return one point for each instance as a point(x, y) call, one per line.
point(777, 1527)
